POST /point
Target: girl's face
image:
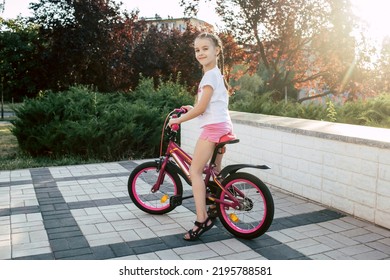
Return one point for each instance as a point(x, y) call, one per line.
point(206, 53)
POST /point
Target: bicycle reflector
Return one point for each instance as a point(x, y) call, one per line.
point(234, 218)
point(164, 198)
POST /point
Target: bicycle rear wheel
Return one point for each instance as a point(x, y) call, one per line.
point(257, 206)
point(141, 182)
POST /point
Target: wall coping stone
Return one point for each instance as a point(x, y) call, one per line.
point(355, 134)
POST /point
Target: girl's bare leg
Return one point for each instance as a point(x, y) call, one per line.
point(202, 154)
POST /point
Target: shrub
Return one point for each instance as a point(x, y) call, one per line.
point(372, 112)
point(81, 122)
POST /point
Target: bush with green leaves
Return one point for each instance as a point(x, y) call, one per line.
point(82, 122)
point(371, 112)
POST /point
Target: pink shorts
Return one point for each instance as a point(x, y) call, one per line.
point(213, 132)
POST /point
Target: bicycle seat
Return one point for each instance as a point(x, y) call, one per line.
point(229, 138)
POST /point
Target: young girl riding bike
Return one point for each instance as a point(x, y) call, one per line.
point(211, 110)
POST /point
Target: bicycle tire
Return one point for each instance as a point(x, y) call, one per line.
point(257, 214)
point(141, 181)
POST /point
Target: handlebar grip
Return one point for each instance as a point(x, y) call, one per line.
point(181, 110)
point(175, 127)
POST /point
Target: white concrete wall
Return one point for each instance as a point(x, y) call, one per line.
point(345, 167)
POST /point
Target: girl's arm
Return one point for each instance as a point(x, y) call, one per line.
point(199, 108)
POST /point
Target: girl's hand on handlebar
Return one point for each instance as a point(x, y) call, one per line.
point(173, 121)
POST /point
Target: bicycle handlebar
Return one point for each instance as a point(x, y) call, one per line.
point(175, 127)
point(181, 110)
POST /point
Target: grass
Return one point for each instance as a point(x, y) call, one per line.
point(11, 158)
point(8, 142)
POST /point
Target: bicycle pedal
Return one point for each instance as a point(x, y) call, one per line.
point(176, 200)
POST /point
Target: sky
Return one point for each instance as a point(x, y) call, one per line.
point(375, 12)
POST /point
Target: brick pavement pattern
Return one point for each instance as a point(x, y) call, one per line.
point(84, 212)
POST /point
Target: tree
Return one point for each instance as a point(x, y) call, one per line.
point(90, 42)
point(20, 68)
point(169, 54)
point(384, 66)
point(294, 42)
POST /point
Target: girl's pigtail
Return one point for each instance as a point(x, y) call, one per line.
point(221, 62)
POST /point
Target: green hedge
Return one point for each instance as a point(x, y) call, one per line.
point(82, 122)
point(374, 111)
point(86, 124)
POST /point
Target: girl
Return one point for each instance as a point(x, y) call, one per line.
point(211, 109)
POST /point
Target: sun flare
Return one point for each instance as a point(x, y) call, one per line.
point(375, 14)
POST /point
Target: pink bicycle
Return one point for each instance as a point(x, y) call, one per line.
point(244, 204)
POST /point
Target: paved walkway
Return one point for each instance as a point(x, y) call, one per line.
point(84, 212)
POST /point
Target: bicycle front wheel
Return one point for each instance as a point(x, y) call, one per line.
point(141, 182)
point(256, 206)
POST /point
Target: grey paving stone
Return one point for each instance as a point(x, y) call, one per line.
point(151, 248)
point(103, 252)
point(121, 249)
point(168, 254)
point(343, 239)
point(65, 234)
point(59, 245)
point(332, 243)
point(303, 243)
point(379, 246)
point(372, 255)
point(355, 232)
point(385, 241)
point(72, 253)
point(355, 250)
point(77, 242)
point(220, 248)
point(248, 255)
point(314, 249)
point(369, 237)
point(280, 252)
point(148, 256)
point(5, 252)
point(75, 202)
point(320, 257)
point(200, 255)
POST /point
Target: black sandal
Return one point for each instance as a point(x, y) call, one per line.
point(201, 228)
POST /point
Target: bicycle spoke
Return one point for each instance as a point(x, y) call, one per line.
point(255, 211)
point(141, 185)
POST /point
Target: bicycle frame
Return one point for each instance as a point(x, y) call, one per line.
point(183, 161)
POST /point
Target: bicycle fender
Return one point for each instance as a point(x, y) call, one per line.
point(230, 169)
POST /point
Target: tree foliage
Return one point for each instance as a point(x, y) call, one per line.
point(384, 67)
point(90, 42)
point(303, 43)
point(166, 54)
point(20, 68)
point(96, 43)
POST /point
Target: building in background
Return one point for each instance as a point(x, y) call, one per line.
point(178, 23)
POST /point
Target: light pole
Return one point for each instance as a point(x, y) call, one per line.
point(2, 99)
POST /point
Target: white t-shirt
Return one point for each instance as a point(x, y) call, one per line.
point(217, 110)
